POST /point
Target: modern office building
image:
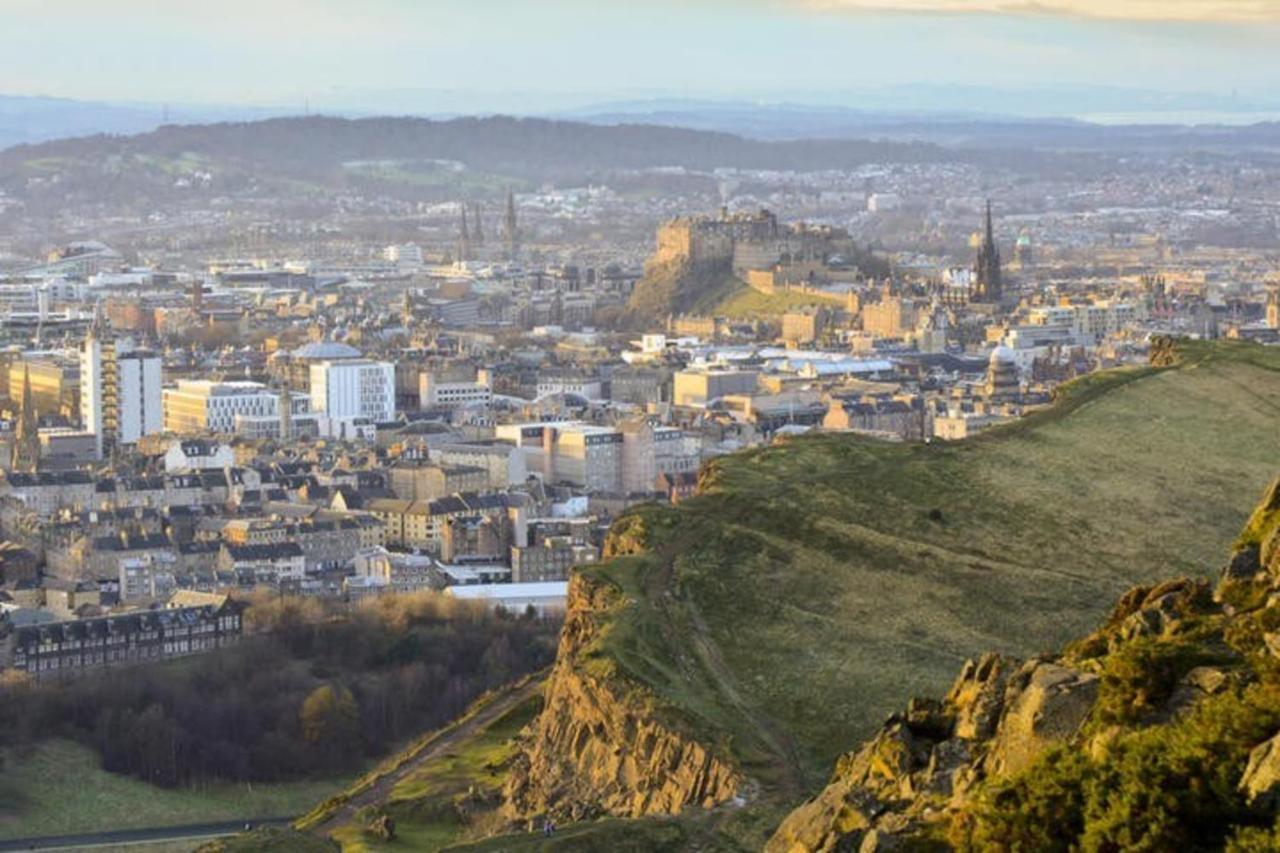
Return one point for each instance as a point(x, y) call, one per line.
point(248, 408)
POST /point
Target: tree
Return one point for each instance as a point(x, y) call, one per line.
point(330, 717)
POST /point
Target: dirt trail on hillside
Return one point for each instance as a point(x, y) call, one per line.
point(447, 741)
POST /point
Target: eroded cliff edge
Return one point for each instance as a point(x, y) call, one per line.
point(604, 744)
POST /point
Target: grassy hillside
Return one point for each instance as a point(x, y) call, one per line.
point(745, 302)
point(1157, 732)
point(683, 289)
point(450, 797)
point(59, 787)
point(815, 585)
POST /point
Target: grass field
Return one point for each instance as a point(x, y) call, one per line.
point(58, 788)
point(834, 577)
point(425, 804)
point(432, 175)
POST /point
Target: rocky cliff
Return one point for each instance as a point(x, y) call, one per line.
point(677, 285)
point(600, 745)
point(1158, 731)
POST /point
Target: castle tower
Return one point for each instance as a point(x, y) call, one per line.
point(1273, 307)
point(511, 227)
point(25, 453)
point(987, 275)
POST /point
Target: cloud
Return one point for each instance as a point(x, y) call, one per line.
point(1194, 11)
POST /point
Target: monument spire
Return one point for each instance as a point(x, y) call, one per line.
point(25, 455)
point(464, 237)
point(511, 226)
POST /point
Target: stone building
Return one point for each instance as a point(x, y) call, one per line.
point(191, 624)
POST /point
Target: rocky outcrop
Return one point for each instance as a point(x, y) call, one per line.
point(1261, 780)
point(998, 715)
point(600, 746)
point(1046, 703)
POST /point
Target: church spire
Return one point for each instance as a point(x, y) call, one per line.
point(478, 232)
point(987, 273)
point(25, 454)
point(464, 237)
point(511, 227)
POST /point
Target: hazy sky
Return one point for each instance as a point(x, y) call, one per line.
point(285, 51)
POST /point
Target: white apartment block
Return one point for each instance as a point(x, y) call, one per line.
point(352, 390)
point(120, 394)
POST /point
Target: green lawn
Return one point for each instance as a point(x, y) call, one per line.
point(832, 591)
point(59, 788)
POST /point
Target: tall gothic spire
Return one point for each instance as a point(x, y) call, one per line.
point(478, 232)
point(464, 237)
point(25, 454)
point(990, 285)
point(511, 227)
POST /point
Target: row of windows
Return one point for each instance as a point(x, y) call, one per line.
point(89, 659)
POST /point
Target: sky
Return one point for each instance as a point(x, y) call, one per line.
point(485, 55)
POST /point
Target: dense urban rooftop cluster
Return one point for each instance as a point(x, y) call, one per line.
point(236, 398)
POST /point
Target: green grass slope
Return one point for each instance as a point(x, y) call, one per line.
point(450, 798)
point(815, 585)
point(748, 303)
point(58, 787)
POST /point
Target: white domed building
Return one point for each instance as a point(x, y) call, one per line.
point(1004, 382)
point(294, 368)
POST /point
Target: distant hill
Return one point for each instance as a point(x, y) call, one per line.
point(1177, 126)
point(330, 152)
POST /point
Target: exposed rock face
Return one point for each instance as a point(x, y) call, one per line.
point(998, 716)
point(1045, 704)
point(598, 747)
point(1261, 780)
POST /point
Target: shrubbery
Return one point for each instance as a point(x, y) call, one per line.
point(1164, 787)
point(310, 693)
